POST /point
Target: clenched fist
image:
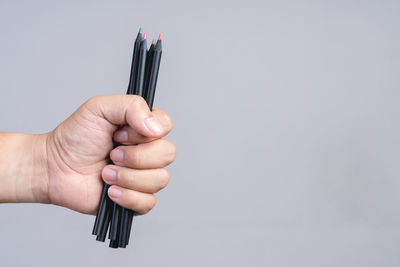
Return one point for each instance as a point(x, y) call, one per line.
point(67, 166)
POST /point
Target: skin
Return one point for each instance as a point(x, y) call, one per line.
point(68, 165)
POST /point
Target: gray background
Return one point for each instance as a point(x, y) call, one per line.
point(286, 122)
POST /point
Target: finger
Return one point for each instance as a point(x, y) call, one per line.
point(156, 154)
point(146, 181)
point(129, 136)
point(126, 109)
point(140, 202)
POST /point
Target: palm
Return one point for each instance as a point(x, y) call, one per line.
point(80, 148)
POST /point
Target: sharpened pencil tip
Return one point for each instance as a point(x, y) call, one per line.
point(153, 42)
point(159, 37)
point(140, 30)
point(145, 36)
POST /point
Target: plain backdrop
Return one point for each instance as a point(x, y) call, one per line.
point(286, 119)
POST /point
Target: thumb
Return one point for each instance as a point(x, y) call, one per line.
point(126, 109)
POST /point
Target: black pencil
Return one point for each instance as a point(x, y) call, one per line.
point(100, 213)
point(107, 217)
point(135, 57)
point(104, 213)
point(115, 222)
point(143, 82)
point(130, 220)
point(122, 228)
point(155, 66)
point(141, 66)
point(113, 234)
point(126, 222)
point(119, 213)
point(119, 220)
point(149, 60)
point(152, 68)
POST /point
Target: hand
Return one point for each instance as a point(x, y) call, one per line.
point(78, 152)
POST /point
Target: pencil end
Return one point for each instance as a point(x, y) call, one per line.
point(159, 37)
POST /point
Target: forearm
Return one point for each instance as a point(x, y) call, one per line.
point(23, 168)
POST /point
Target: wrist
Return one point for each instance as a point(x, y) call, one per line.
point(39, 170)
point(23, 168)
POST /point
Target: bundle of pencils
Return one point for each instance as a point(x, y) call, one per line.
point(143, 81)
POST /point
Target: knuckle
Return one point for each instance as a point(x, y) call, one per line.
point(168, 123)
point(93, 99)
point(135, 101)
point(92, 103)
point(170, 152)
point(134, 157)
point(151, 203)
point(163, 179)
point(120, 179)
point(147, 204)
point(134, 202)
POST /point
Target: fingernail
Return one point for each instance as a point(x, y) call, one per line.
point(114, 192)
point(121, 136)
point(110, 175)
point(153, 125)
point(117, 155)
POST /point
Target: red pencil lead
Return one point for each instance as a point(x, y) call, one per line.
point(159, 37)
